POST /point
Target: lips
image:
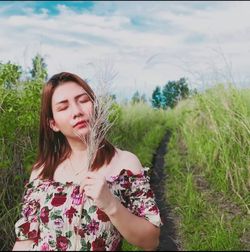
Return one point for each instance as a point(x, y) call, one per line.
point(80, 123)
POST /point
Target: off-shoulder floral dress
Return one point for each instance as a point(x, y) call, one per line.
point(57, 217)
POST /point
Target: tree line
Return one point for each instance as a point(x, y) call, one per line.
point(162, 97)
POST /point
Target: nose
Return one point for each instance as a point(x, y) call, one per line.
point(76, 110)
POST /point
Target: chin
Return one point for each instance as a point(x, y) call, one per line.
point(82, 132)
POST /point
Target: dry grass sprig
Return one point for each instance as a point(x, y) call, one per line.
point(99, 123)
point(98, 126)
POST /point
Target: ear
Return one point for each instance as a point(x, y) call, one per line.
point(52, 125)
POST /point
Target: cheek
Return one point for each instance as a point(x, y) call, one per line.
point(88, 108)
point(61, 119)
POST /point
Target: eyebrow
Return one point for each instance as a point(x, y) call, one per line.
point(76, 97)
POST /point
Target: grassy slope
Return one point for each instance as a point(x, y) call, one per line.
point(208, 170)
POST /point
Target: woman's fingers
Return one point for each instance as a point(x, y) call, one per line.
point(86, 182)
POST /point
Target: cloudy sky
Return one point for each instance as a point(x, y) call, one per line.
point(145, 43)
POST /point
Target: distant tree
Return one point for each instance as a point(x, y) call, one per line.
point(193, 92)
point(156, 98)
point(138, 98)
point(143, 98)
point(113, 97)
point(183, 87)
point(170, 92)
point(39, 68)
point(174, 91)
point(9, 75)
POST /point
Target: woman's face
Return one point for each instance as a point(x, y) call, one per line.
point(71, 106)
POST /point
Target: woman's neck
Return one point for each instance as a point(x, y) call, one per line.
point(79, 151)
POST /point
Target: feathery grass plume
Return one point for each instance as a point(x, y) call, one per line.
point(99, 123)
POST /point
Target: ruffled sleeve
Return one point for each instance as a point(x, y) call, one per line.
point(27, 227)
point(138, 196)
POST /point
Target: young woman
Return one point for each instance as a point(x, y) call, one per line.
point(67, 207)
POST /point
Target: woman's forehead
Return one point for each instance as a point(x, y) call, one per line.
point(67, 90)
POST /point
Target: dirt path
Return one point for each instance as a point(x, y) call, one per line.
point(157, 181)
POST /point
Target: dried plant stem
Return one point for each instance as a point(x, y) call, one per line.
point(98, 127)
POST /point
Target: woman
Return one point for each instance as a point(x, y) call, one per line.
point(67, 207)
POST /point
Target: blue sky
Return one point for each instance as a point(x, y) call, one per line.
point(145, 43)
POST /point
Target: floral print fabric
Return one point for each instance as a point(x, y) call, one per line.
point(57, 217)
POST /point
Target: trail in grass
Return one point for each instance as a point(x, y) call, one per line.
point(157, 181)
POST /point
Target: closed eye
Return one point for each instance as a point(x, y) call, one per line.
point(84, 100)
point(62, 108)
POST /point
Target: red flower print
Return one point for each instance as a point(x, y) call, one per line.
point(31, 208)
point(45, 247)
point(69, 213)
point(98, 244)
point(79, 231)
point(126, 184)
point(26, 227)
point(116, 245)
point(93, 227)
point(44, 215)
point(76, 196)
point(58, 199)
point(154, 209)
point(58, 222)
point(102, 216)
point(138, 193)
point(130, 173)
point(62, 243)
point(32, 234)
point(150, 194)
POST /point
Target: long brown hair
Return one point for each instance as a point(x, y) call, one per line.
point(53, 146)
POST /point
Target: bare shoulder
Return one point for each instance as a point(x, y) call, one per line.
point(35, 173)
point(128, 161)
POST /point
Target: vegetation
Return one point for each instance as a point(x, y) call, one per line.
point(207, 164)
point(138, 98)
point(138, 129)
point(208, 169)
point(171, 94)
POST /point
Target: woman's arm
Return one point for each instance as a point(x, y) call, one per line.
point(25, 245)
point(136, 230)
point(22, 245)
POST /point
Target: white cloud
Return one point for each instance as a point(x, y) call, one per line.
point(183, 42)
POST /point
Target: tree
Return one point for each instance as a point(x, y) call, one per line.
point(170, 92)
point(174, 91)
point(138, 98)
point(143, 98)
point(157, 98)
point(9, 75)
point(113, 97)
point(39, 68)
point(183, 87)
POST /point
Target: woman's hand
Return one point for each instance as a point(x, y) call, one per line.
point(96, 187)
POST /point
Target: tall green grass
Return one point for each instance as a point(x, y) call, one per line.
point(217, 136)
point(139, 129)
point(209, 168)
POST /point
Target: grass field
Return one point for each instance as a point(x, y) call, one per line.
point(208, 166)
